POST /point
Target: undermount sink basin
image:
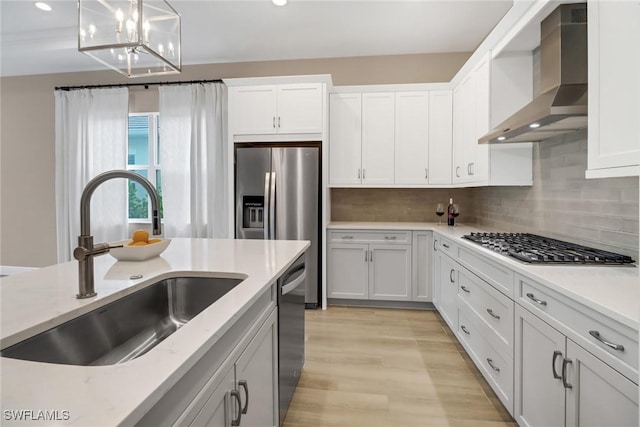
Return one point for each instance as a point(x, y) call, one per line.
point(127, 328)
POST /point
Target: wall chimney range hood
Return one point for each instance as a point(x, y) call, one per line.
point(562, 105)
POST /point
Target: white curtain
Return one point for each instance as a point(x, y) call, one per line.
point(193, 160)
point(90, 138)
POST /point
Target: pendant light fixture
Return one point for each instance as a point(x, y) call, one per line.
point(133, 37)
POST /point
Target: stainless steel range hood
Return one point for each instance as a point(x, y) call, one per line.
point(562, 105)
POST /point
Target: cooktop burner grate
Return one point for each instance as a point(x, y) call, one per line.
point(535, 249)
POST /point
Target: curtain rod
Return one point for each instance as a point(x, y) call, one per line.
point(146, 85)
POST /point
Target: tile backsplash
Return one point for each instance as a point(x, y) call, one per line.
point(602, 213)
point(561, 203)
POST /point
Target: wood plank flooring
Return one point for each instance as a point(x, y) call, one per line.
point(386, 368)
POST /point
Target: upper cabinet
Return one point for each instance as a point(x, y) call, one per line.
point(277, 109)
point(390, 138)
point(614, 89)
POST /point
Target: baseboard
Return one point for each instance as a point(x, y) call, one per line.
point(381, 304)
point(8, 270)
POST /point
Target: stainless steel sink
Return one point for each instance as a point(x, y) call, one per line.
point(126, 328)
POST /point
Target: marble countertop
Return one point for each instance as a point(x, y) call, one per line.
point(38, 300)
point(614, 291)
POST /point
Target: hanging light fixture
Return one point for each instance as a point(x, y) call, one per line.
point(133, 37)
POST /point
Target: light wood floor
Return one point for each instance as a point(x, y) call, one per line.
point(387, 368)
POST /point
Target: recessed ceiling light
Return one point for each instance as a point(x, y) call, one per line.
point(43, 6)
point(502, 138)
point(534, 125)
point(279, 2)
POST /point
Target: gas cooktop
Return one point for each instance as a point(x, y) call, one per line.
point(536, 249)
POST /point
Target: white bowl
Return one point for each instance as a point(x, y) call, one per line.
point(138, 253)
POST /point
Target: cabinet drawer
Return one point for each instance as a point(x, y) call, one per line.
point(502, 278)
point(368, 236)
point(445, 245)
point(495, 365)
point(583, 325)
point(494, 309)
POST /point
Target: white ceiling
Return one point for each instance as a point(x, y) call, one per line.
point(37, 42)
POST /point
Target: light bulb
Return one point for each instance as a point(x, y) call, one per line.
point(279, 2)
point(146, 27)
point(160, 49)
point(119, 19)
point(92, 30)
point(172, 51)
point(43, 6)
point(534, 125)
point(83, 34)
point(502, 138)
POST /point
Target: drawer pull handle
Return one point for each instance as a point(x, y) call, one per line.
point(464, 329)
point(445, 245)
point(492, 314)
point(435, 242)
point(389, 237)
point(537, 301)
point(556, 354)
point(464, 288)
point(346, 237)
point(565, 362)
point(494, 367)
point(596, 335)
point(451, 279)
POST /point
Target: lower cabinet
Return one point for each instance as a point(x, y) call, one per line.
point(446, 289)
point(245, 394)
point(559, 383)
point(235, 383)
point(370, 265)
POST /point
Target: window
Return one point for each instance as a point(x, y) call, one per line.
point(143, 158)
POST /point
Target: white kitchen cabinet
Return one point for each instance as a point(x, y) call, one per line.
point(422, 266)
point(345, 136)
point(277, 109)
point(599, 395)
point(471, 121)
point(348, 271)
point(440, 136)
point(369, 265)
point(614, 88)
point(236, 379)
point(391, 138)
point(559, 383)
point(390, 272)
point(412, 137)
point(539, 351)
point(378, 133)
point(446, 285)
point(423, 137)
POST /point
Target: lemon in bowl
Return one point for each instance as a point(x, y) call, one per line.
point(139, 247)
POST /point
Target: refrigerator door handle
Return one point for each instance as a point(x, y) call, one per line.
point(272, 207)
point(267, 204)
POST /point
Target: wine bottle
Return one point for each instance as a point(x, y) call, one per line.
point(450, 218)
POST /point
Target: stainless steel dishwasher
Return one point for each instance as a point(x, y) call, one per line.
point(291, 306)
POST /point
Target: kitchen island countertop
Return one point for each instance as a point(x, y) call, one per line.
point(611, 290)
point(38, 300)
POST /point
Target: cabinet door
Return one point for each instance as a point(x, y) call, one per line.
point(378, 134)
point(481, 86)
point(448, 290)
point(614, 86)
point(539, 351)
point(257, 377)
point(469, 142)
point(421, 266)
point(440, 136)
point(254, 110)
point(599, 395)
point(221, 408)
point(458, 172)
point(348, 271)
point(412, 138)
point(345, 138)
point(390, 272)
point(300, 108)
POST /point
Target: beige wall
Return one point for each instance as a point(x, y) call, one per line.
point(27, 206)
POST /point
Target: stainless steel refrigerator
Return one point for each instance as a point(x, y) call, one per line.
point(278, 197)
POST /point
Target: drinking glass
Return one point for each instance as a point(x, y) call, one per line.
point(456, 211)
point(439, 212)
